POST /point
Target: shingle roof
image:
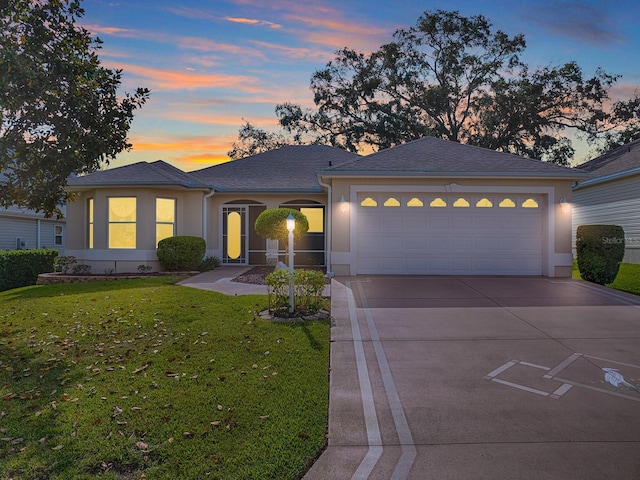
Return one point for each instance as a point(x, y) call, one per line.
point(288, 169)
point(619, 160)
point(432, 156)
point(141, 173)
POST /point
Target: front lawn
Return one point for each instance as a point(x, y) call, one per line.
point(627, 280)
point(144, 379)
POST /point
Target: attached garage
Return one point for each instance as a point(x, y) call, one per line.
point(447, 234)
point(434, 207)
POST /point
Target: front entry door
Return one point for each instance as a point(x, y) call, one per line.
point(234, 235)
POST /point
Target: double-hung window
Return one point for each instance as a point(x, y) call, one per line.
point(122, 222)
point(165, 218)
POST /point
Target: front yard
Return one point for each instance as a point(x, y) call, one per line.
point(144, 379)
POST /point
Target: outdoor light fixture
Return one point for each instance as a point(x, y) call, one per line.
point(343, 204)
point(564, 205)
point(291, 225)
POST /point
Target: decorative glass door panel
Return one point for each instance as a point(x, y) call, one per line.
point(234, 235)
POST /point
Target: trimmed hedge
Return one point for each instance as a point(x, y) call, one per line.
point(181, 253)
point(600, 249)
point(272, 223)
point(19, 268)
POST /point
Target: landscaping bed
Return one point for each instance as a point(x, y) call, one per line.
point(53, 278)
point(256, 275)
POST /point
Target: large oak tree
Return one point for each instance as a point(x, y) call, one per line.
point(60, 112)
point(457, 78)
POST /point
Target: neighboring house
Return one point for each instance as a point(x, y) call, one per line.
point(21, 228)
point(426, 207)
point(611, 195)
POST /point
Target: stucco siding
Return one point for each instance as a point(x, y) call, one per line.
point(188, 221)
point(613, 203)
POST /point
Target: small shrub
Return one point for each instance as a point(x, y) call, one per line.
point(181, 253)
point(19, 268)
point(600, 249)
point(144, 268)
point(63, 264)
point(308, 286)
point(81, 269)
point(209, 263)
point(278, 290)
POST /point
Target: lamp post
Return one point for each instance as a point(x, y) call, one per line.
point(291, 225)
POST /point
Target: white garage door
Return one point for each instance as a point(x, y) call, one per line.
point(449, 234)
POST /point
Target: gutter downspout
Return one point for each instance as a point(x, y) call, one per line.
point(38, 231)
point(328, 238)
point(204, 216)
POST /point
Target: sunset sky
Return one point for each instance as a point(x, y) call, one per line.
point(213, 64)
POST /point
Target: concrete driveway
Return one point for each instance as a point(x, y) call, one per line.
point(482, 378)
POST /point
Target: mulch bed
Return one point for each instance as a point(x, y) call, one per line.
point(257, 274)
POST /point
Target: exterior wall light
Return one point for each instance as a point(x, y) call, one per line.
point(564, 205)
point(343, 204)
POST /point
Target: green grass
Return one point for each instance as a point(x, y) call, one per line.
point(627, 280)
point(144, 379)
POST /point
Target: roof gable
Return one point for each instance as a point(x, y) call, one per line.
point(624, 158)
point(292, 168)
point(141, 173)
point(432, 156)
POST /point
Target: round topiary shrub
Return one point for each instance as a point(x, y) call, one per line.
point(272, 223)
point(181, 253)
point(600, 249)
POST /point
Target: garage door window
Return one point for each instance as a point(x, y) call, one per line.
point(507, 203)
point(484, 203)
point(369, 202)
point(530, 203)
point(461, 203)
point(415, 202)
point(392, 202)
point(437, 202)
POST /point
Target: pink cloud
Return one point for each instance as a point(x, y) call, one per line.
point(294, 52)
point(198, 44)
point(159, 79)
point(252, 21)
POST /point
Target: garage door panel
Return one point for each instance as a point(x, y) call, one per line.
point(460, 222)
point(462, 244)
point(484, 223)
point(466, 240)
point(414, 243)
point(392, 222)
point(437, 222)
point(487, 244)
point(435, 244)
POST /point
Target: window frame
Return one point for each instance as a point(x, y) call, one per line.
point(120, 222)
point(172, 223)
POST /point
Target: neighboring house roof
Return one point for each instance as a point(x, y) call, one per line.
point(621, 162)
point(432, 156)
point(288, 169)
point(141, 173)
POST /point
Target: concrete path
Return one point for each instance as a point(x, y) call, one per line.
point(220, 280)
point(482, 378)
